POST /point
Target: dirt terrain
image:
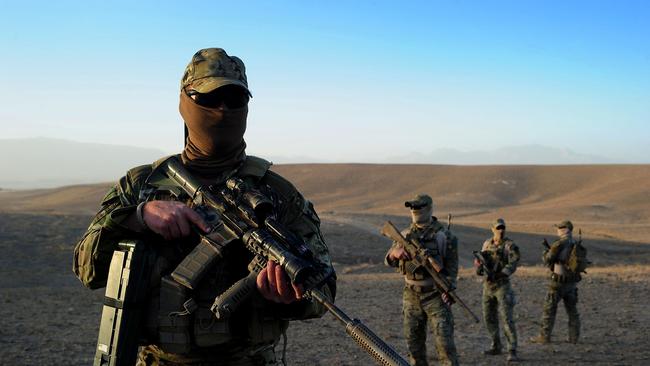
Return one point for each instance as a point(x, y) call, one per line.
point(49, 318)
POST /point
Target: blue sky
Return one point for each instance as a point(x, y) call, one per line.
point(339, 81)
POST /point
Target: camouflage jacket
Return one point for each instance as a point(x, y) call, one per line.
point(93, 253)
point(503, 256)
point(440, 244)
point(558, 251)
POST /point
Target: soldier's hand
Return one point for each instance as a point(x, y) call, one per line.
point(398, 253)
point(446, 299)
point(476, 263)
point(171, 219)
point(274, 285)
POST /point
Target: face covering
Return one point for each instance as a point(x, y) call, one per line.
point(215, 142)
point(422, 217)
point(498, 234)
point(564, 232)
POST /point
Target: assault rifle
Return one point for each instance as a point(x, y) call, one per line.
point(421, 257)
point(580, 236)
point(489, 272)
point(545, 244)
point(238, 213)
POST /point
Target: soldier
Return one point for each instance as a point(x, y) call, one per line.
point(214, 99)
point(501, 255)
point(563, 285)
point(422, 301)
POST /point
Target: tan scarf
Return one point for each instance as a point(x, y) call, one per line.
point(215, 143)
point(422, 217)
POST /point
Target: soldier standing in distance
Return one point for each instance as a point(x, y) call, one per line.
point(502, 256)
point(214, 99)
point(422, 301)
point(563, 286)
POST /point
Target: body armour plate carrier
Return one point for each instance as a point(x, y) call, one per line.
point(428, 239)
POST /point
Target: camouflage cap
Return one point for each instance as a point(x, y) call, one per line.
point(565, 224)
point(498, 222)
point(211, 68)
point(420, 200)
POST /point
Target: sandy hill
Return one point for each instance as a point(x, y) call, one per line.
point(605, 200)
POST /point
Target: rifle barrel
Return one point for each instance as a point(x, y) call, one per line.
point(365, 338)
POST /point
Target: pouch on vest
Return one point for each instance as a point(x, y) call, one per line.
point(174, 317)
point(264, 328)
point(208, 330)
point(124, 304)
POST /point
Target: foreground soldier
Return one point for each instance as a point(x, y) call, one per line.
point(500, 255)
point(214, 105)
point(421, 299)
point(563, 285)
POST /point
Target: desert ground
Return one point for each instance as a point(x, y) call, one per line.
point(49, 318)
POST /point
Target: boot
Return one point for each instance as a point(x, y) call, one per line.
point(512, 356)
point(541, 339)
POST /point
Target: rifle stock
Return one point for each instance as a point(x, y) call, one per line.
point(418, 254)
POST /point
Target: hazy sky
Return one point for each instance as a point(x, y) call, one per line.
point(338, 80)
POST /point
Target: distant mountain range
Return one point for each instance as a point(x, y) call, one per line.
point(510, 155)
point(45, 163)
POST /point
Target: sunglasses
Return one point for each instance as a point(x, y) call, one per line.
point(417, 207)
point(232, 96)
point(500, 227)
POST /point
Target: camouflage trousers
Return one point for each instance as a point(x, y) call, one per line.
point(499, 301)
point(568, 292)
point(260, 356)
point(418, 308)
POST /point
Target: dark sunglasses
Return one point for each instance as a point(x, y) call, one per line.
point(417, 207)
point(232, 96)
point(500, 227)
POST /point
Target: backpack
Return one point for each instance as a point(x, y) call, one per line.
point(577, 261)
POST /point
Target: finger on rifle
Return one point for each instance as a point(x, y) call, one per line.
point(263, 284)
point(270, 274)
point(445, 299)
point(183, 226)
point(164, 231)
point(298, 291)
point(282, 281)
point(173, 229)
point(196, 219)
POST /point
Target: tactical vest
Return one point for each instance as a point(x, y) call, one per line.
point(497, 255)
point(561, 270)
point(426, 237)
point(179, 319)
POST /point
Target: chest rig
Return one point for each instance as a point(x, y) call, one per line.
point(180, 320)
point(426, 237)
point(497, 254)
